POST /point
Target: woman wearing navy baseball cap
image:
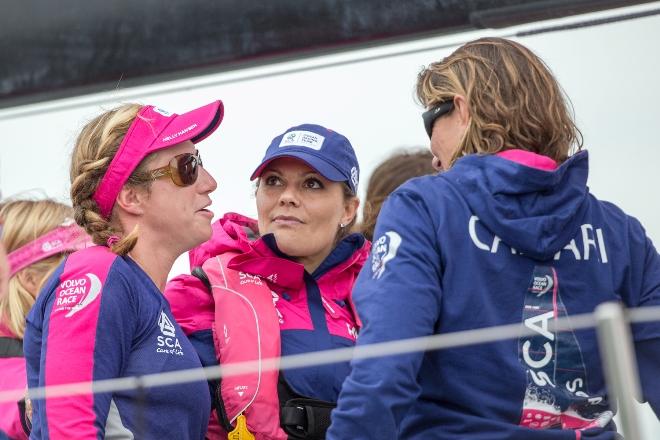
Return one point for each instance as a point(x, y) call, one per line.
point(140, 191)
point(298, 256)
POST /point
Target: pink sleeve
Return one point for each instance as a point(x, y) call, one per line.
point(70, 345)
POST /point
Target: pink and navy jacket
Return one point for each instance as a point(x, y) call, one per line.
point(237, 321)
point(12, 366)
point(100, 317)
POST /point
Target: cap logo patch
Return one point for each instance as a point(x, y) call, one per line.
point(160, 111)
point(354, 176)
point(302, 138)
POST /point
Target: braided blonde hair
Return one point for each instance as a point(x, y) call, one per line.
point(95, 148)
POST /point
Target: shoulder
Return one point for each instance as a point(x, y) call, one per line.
point(429, 191)
point(617, 220)
point(101, 265)
point(91, 273)
point(95, 258)
point(419, 201)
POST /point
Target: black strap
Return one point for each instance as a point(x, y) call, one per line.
point(10, 347)
point(302, 417)
point(306, 418)
point(199, 273)
point(26, 421)
point(219, 405)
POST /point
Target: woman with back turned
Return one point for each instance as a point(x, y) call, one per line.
point(508, 233)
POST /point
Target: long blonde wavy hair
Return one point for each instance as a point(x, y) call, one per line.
point(25, 221)
point(514, 101)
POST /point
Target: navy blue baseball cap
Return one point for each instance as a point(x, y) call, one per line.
point(327, 151)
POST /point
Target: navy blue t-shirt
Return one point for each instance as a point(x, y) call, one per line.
point(101, 317)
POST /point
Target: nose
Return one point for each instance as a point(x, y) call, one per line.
point(289, 196)
point(207, 183)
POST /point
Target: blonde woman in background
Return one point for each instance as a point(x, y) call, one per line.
point(37, 234)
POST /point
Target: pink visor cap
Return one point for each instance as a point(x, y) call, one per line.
point(66, 238)
point(153, 129)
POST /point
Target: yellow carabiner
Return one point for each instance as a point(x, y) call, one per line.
point(241, 432)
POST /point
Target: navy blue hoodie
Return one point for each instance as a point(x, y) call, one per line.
point(496, 241)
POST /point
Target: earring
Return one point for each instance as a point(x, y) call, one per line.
point(342, 226)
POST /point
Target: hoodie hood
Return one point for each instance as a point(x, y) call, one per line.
point(535, 211)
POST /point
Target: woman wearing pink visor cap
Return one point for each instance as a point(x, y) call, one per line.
point(139, 189)
point(37, 234)
point(280, 285)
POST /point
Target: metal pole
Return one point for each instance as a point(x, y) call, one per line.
point(620, 365)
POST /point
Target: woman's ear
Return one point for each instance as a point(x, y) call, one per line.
point(131, 200)
point(461, 106)
point(350, 210)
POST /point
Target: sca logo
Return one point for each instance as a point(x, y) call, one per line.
point(247, 278)
point(168, 343)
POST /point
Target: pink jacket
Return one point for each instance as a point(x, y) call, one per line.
point(248, 277)
point(13, 377)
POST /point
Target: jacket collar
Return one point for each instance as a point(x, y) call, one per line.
point(266, 260)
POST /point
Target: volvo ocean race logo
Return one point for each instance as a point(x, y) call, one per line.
point(75, 294)
point(167, 341)
point(542, 285)
point(382, 251)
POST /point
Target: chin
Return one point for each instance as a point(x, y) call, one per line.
point(202, 234)
point(288, 243)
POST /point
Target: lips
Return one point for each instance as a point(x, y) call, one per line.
point(204, 210)
point(287, 220)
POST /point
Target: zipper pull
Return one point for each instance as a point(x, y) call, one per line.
point(241, 432)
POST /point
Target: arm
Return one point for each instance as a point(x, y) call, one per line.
point(193, 307)
point(647, 335)
point(87, 339)
point(397, 296)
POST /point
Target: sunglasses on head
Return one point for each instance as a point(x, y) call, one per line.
point(434, 113)
point(182, 169)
